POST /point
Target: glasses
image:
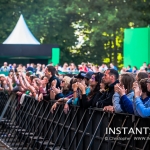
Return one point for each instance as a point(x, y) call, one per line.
point(62, 81)
point(93, 78)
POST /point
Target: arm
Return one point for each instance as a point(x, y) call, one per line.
point(22, 83)
point(141, 109)
point(116, 103)
point(104, 100)
point(127, 104)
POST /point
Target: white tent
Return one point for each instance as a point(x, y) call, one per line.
point(21, 34)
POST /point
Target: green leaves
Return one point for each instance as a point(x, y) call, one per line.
point(100, 22)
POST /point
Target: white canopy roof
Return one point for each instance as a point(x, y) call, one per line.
point(21, 34)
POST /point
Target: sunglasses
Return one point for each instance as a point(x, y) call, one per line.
point(93, 78)
point(62, 81)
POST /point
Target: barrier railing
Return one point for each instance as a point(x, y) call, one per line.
point(32, 126)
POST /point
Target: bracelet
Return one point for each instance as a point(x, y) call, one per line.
point(74, 91)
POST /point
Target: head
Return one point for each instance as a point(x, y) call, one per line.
point(87, 77)
point(65, 83)
point(65, 65)
point(148, 85)
point(110, 76)
point(44, 79)
point(135, 68)
point(50, 71)
point(5, 64)
point(143, 86)
point(95, 83)
point(141, 75)
point(2, 77)
point(127, 80)
point(80, 76)
point(111, 65)
point(72, 66)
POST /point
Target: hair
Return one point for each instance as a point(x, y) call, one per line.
point(135, 67)
point(98, 79)
point(142, 75)
point(51, 69)
point(43, 77)
point(114, 73)
point(127, 80)
point(32, 77)
point(66, 83)
point(143, 85)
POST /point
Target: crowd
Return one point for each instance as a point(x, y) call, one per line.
point(93, 86)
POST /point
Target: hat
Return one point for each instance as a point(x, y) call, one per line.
point(2, 75)
point(80, 75)
point(89, 74)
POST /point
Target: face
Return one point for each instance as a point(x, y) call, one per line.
point(62, 83)
point(107, 77)
point(47, 73)
point(5, 64)
point(148, 85)
point(92, 81)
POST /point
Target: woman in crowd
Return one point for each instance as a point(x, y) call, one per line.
point(64, 94)
point(123, 94)
point(142, 101)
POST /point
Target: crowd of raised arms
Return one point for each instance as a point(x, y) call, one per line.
point(93, 86)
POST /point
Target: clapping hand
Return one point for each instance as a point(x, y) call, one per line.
point(136, 89)
point(120, 89)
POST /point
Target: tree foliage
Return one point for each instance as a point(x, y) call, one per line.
point(101, 23)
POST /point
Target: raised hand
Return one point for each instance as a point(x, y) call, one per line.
point(136, 89)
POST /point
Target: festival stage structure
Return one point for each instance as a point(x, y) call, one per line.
point(22, 47)
point(136, 46)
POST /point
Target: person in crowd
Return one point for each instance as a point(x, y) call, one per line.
point(67, 92)
point(141, 75)
point(20, 68)
point(110, 79)
point(148, 68)
point(5, 68)
point(88, 100)
point(112, 66)
point(129, 69)
point(144, 66)
point(123, 94)
point(64, 68)
point(50, 72)
point(95, 68)
point(64, 91)
point(72, 68)
point(84, 67)
point(142, 104)
point(123, 70)
point(103, 68)
point(135, 69)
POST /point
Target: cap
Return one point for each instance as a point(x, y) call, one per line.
point(80, 75)
point(2, 75)
point(89, 74)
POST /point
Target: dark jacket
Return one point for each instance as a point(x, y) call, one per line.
point(85, 103)
point(48, 86)
point(106, 98)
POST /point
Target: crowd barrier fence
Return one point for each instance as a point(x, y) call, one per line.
point(32, 126)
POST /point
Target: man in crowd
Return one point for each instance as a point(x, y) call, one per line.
point(110, 79)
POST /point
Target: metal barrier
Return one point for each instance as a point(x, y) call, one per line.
point(32, 126)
